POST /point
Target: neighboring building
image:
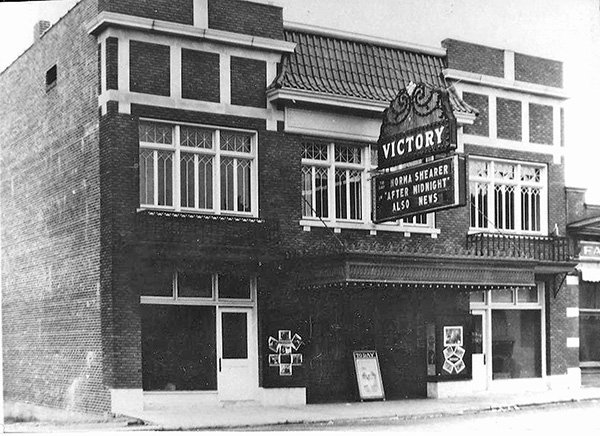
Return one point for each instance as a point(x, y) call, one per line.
point(182, 181)
point(584, 229)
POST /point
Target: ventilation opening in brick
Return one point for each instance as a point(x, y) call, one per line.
point(51, 78)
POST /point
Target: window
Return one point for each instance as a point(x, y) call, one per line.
point(589, 322)
point(164, 285)
point(507, 196)
point(336, 184)
point(51, 78)
point(197, 169)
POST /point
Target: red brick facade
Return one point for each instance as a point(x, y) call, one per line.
point(76, 246)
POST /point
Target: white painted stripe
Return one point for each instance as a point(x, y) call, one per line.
point(103, 66)
point(201, 14)
point(572, 342)
point(175, 71)
point(572, 280)
point(128, 98)
point(509, 65)
point(572, 312)
point(123, 64)
point(225, 78)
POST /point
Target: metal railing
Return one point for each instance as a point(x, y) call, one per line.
point(544, 248)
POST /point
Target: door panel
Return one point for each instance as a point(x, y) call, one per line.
point(238, 366)
point(479, 347)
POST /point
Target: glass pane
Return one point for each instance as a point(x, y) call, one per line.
point(196, 137)
point(307, 204)
point(193, 284)
point(243, 185)
point(478, 297)
point(236, 141)
point(310, 150)
point(178, 348)
point(156, 133)
point(516, 344)
point(348, 154)
point(234, 286)
point(227, 184)
point(165, 178)
point(321, 194)
point(589, 295)
point(156, 281)
point(205, 182)
point(502, 296)
point(146, 176)
point(234, 335)
point(340, 194)
point(527, 295)
point(589, 333)
point(355, 195)
point(477, 335)
point(187, 180)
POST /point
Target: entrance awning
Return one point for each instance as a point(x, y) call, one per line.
point(414, 273)
point(590, 271)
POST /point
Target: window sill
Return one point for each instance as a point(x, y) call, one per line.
point(168, 212)
point(337, 227)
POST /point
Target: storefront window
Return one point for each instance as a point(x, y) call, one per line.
point(589, 322)
point(516, 344)
point(178, 348)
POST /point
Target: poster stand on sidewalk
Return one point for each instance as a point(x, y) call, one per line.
point(368, 375)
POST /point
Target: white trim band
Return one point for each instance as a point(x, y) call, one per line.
point(165, 27)
point(572, 342)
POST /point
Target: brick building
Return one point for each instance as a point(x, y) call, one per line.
point(186, 185)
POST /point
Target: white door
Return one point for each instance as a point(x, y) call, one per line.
point(237, 361)
point(480, 355)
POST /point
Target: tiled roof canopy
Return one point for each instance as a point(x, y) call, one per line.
point(341, 67)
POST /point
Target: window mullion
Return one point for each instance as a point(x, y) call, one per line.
point(518, 200)
point(235, 184)
point(155, 171)
point(176, 169)
point(331, 183)
point(196, 181)
point(313, 191)
point(217, 173)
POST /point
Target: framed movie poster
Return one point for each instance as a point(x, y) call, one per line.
point(368, 375)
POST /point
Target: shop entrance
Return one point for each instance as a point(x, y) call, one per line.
point(237, 373)
point(508, 332)
point(199, 340)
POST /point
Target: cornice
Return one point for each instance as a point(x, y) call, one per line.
point(107, 19)
point(502, 83)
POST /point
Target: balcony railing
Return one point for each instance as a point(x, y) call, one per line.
point(543, 248)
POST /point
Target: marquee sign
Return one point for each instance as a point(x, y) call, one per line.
point(589, 249)
point(428, 187)
point(418, 123)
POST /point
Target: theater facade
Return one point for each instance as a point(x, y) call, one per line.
point(219, 234)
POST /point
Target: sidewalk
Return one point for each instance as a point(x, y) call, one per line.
point(238, 416)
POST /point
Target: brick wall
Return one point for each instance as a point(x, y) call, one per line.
point(50, 220)
point(474, 58)
point(538, 70)
point(541, 124)
point(246, 17)
point(112, 63)
point(559, 328)
point(180, 11)
point(508, 118)
point(200, 77)
point(149, 68)
point(482, 104)
point(248, 82)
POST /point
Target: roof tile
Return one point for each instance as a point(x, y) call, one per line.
point(331, 65)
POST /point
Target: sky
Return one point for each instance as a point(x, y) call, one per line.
point(565, 30)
